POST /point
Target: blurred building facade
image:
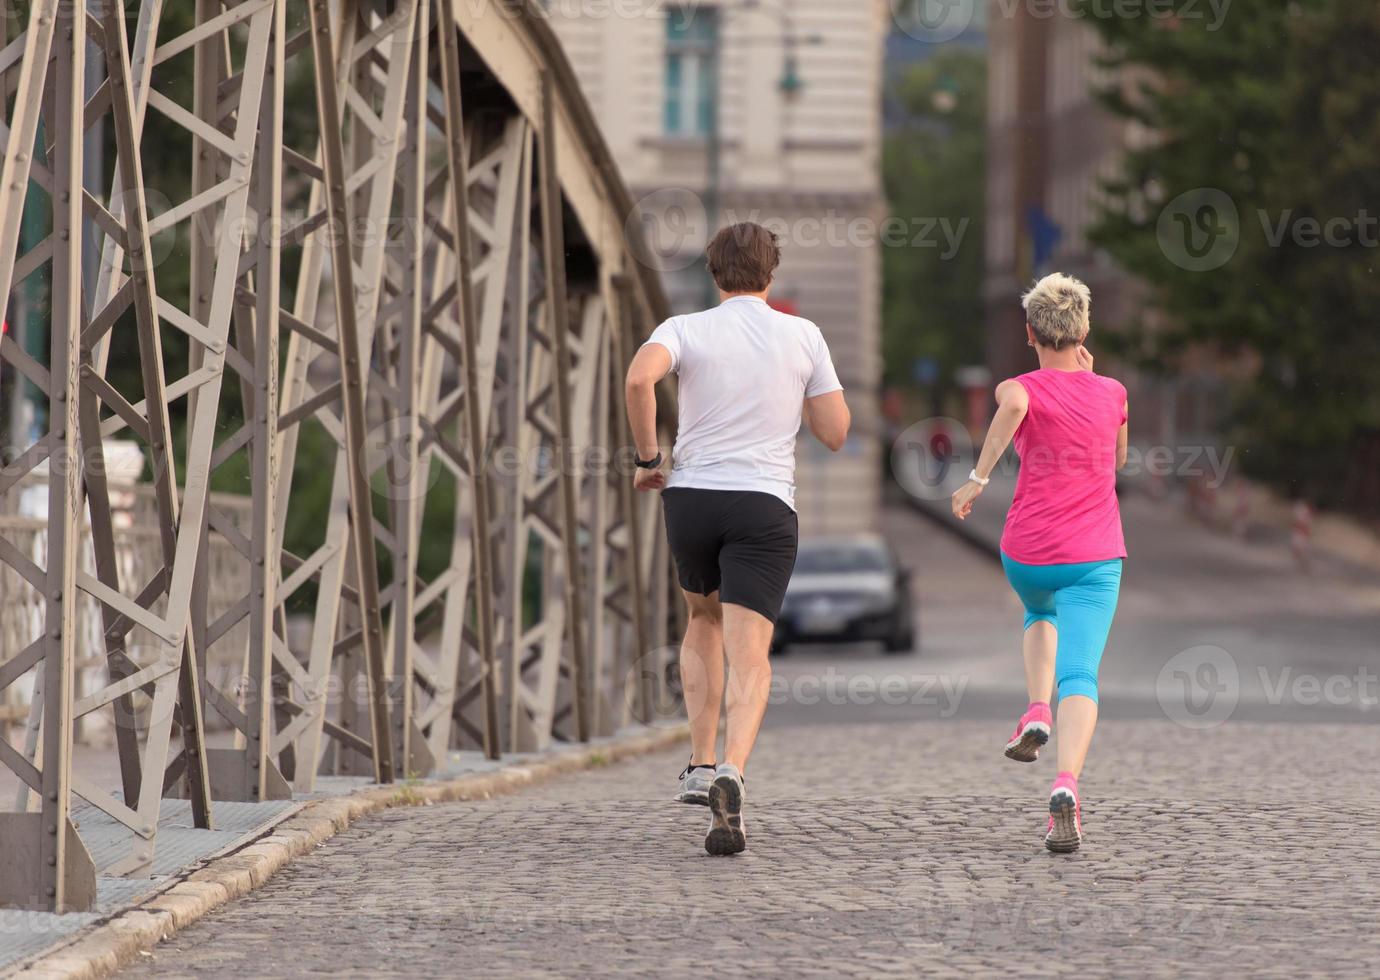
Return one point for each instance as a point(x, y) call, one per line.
point(770, 111)
point(1050, 144)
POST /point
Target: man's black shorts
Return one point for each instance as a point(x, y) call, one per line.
point(740, 543)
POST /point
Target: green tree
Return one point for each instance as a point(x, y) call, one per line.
point(932, 167)
point(1263, 126)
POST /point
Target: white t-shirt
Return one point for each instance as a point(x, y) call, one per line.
point(745, 370)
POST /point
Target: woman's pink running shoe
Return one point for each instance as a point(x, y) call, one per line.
point(1065, 831)
point(1032, 731)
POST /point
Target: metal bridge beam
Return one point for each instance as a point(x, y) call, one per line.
point(438, 368)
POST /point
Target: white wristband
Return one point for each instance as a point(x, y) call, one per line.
point(979, 480)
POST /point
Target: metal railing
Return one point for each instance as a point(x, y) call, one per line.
point(138, 553)
point(427, 276)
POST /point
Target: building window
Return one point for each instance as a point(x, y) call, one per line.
point(692, 36)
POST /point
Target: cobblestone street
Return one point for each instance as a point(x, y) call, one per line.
point(877, 849)
point(893, 837)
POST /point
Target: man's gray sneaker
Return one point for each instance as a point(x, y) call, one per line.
point(726, 834)
point(694, 785)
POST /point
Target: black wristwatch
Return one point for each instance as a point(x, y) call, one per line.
point(650, 464)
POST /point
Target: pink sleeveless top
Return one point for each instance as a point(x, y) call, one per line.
point(1065, 509)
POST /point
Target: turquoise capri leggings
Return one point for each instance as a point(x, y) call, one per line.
point(1080, 600)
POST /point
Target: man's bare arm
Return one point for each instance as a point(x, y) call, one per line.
point(827, 416)
point(649, 366)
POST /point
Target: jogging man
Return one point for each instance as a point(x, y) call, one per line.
point(748, 375)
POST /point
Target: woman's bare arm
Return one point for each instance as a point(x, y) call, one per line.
point(1012, 404)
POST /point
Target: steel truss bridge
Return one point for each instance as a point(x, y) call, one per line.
point(428, 268)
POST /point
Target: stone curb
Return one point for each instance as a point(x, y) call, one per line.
point(120, 939)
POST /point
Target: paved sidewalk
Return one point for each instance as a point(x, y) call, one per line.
point(874, 850)
point(196, 870)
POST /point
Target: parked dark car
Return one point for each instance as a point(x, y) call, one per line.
point(847, 589)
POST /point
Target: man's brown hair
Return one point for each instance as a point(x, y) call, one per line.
point(742, 257)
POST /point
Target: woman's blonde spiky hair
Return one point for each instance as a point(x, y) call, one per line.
point(1057, 310)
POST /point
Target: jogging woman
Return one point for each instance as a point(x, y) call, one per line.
point(1062, 547)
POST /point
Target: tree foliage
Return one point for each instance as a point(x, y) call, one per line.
point(933, 172)
point(1276, 115)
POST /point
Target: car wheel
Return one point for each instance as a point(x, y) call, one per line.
point(900, 644)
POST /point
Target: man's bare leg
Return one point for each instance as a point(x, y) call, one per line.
point(747, 645)
point(747, 642)
point(702, 675)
